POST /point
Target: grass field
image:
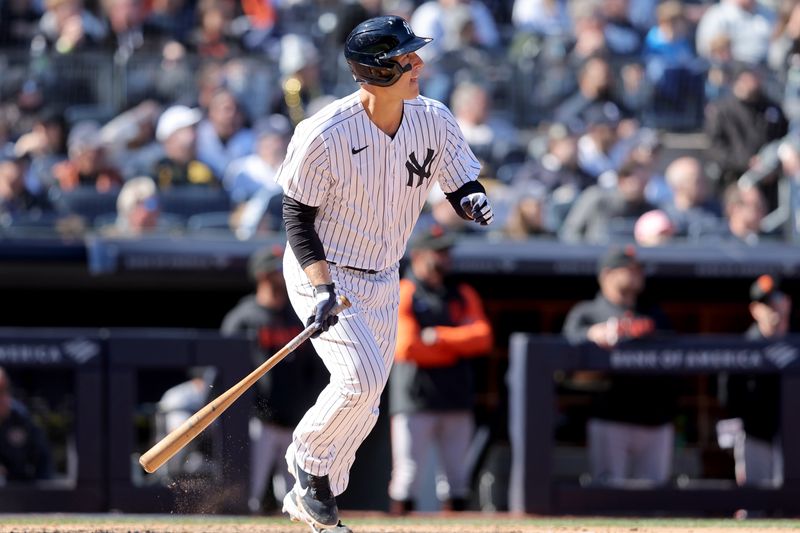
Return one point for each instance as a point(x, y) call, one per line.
point(377, 523)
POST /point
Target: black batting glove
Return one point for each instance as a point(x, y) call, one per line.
point(476, 206)
point(322, 317)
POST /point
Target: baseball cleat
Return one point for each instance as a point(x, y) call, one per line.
point(296, 515)
point(314, 500)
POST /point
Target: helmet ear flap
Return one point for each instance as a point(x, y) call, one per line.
point(382, 76)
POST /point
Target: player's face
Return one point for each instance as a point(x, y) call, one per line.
point(408, 84)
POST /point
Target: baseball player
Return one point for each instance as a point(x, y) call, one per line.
point(355, 179)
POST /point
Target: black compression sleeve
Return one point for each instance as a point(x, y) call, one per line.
point(455, 197)
point(300, 232)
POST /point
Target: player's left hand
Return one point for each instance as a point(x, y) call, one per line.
point(477, 207)
point(323, 318)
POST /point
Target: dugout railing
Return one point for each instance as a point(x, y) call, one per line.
point(71, 365)
point(101, 388)
point(536, 362)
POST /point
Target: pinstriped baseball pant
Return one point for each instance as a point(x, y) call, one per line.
point(358, 352)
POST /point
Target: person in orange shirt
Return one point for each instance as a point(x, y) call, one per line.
point(441, 326)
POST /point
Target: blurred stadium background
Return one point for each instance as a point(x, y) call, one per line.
point(670, 126)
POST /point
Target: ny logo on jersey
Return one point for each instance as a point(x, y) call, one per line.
point(423, 171)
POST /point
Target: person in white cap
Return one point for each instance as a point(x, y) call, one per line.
point(177, 132)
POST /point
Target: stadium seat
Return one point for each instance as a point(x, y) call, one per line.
point(216, 223)
point(86, 202)
point(188, 201)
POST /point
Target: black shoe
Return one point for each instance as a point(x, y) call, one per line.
point(314, 495)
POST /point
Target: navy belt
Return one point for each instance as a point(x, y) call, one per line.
point(362, 270)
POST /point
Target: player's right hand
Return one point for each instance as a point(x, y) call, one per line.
point(322, 317)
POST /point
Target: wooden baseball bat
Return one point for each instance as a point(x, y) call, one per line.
point(179, 437)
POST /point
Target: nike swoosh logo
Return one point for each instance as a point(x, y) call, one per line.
point(300, 491)
point(358, 150)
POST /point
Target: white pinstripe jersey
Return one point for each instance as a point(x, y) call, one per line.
point(369, 187)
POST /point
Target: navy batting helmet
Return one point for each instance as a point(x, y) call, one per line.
point(371, 45)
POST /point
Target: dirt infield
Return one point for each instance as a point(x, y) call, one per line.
point(371, 523)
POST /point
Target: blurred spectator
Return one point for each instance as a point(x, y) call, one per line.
point(223, 137)
point(630, 432)
point(253, 81)
point(788, 179)
point(528, 216)
point(130, 32)
point(285, 393)
point(210, 80)
point(67, 26)
point(669, 41)
point(623, 39)
point(18, 22)
point(24, 451)
point(176, 131)
point(260, 215)
point(653, 228)
point(601, 215)
point(491, 138)
point(747, 23)
point(129, 139)
point(756, 399)
point(6, 144)
point(442, 326)
point(138, 210)
point(45, 145)
point(744, 208)
point(175, 18)
point(214, 36)
point(558, 172)
point(590, 39)
point(785, 36)
point(738, 125)
point(558, 165)
point(462, 58)
point(673, 73)
point(15, 198)
point(721, 68)
point(262, 22)
point(542, 17)
point(301, 77)
point(431, 17)
point(87, 165)
point(596, 147)
point(693, 210)
point(595, 97)
point(247, 175)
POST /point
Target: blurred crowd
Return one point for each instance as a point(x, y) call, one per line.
point(596, 121)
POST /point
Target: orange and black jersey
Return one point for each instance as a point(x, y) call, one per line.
point(437, 376)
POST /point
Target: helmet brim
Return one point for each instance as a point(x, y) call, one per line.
point(412, 45)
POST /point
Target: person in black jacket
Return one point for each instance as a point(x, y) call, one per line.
point(630, 432)
point(286, 392)
point(755, 399)
point(24, 451)
point(739, 124)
